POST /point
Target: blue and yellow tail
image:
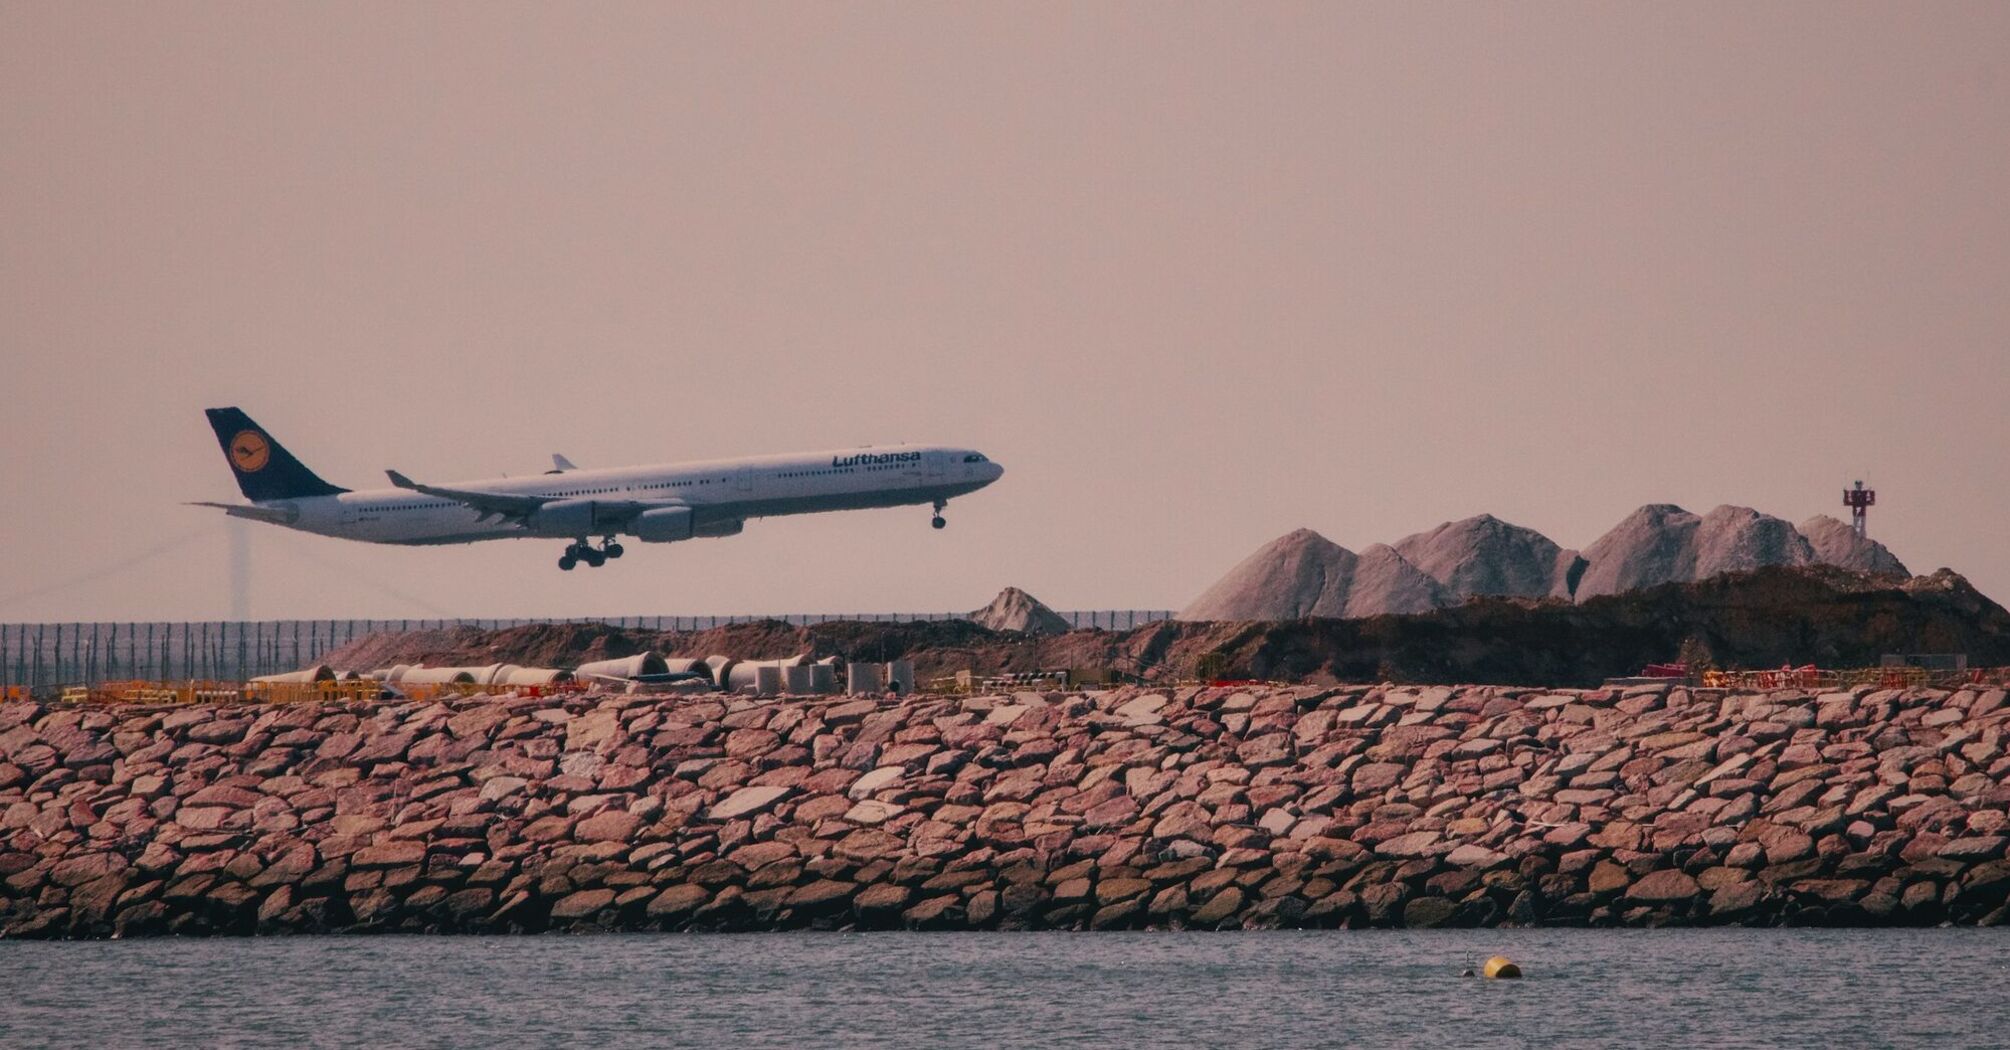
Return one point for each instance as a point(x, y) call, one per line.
point(264, 469)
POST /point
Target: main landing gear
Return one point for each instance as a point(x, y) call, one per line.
point(582, 551)
point(939, 521)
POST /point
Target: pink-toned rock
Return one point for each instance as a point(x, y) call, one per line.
point(1783, 844)
point(748, 743)
point(1664, 886)
point(677, 901)
point(205, 818)
point(881, 897)
point(1219, 907)
point(582, 904)
point(747, 801)
point(1413, 844)
point(874, 780)
point(223, 795)
point(389, 855)
point(872, 812)
point(868, 844)
point(1471, 855)
point(611, 825)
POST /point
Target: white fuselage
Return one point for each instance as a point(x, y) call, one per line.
point(721, 494)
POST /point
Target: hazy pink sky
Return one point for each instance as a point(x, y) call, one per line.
point(1197, 275)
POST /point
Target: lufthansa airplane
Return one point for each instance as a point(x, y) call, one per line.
point(658, 504)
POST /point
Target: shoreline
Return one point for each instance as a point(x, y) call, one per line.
point(1136, 808)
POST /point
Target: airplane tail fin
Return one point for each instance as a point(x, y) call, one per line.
point(264, 469)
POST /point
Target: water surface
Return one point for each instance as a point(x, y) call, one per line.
point(1584, 988)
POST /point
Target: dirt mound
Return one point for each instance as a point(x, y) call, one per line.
point(1304, 574)
point(1737, 539)
point(1384, 583)
point(1300, 573)
point(1835, 543)
point(1662, 543)
point(1650, 546)
point(1764, 618)
point(1484, 555)
point(1015, 610)
point(530, 645)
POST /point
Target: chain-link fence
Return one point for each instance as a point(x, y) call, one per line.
point(43, 656)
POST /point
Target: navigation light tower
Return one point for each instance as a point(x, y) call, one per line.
point(1859, 500)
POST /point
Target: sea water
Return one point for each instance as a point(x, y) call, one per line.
point(1583, 988)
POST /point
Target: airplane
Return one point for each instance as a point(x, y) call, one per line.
point(655, 504)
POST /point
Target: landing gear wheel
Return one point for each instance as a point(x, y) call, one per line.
point(612, 550)
point(593, 558)
point(567, 562)
point(938, 521)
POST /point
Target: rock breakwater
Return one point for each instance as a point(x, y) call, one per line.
point(1265, 807)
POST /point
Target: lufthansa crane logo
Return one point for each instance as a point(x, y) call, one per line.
point(249, 451)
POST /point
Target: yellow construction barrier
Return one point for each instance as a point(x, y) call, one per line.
point(313, 692)
point(1815, 678)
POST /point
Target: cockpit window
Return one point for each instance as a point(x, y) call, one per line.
point(975, 457)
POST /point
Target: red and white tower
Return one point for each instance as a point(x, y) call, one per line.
point(1859, 500)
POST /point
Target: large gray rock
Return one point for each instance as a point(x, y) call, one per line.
point(1484, 555)
point(1015, 610)
point(1835, 543)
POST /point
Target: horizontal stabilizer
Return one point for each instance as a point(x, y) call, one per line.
point(270, 515)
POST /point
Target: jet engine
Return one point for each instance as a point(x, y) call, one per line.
point(663, 525)
point(564, 518)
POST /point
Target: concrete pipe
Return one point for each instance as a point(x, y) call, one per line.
point(741, 674)
point(438, 676)
point(683, 665)
point(638, 666)
point(305, 676)
point(525, 676)
point(493, 674)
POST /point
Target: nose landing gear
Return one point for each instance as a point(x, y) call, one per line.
point(939, 521)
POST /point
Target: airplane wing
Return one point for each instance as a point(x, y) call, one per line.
point(503, 505)
point(515, 507)
point(560, 464)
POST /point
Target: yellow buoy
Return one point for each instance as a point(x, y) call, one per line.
point(1500, 967)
